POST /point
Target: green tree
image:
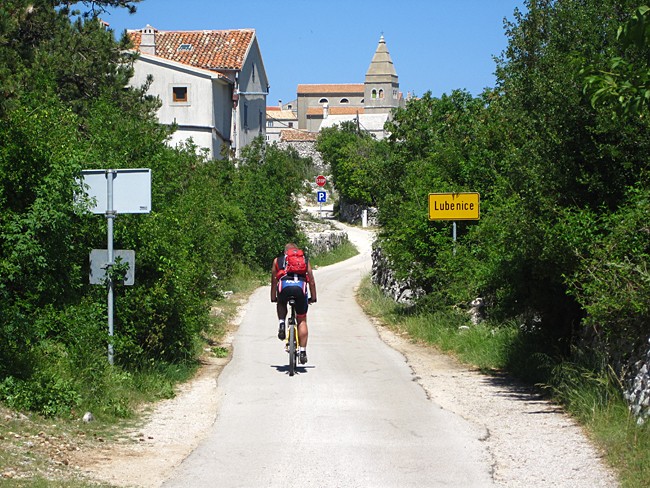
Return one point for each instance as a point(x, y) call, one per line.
point(625, 84)
point(433, 147)
point(564, 155)
point(350, 154)
point(65, 109)
point(265, 186)
point(547, 165)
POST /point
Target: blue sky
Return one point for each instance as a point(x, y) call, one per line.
point(436, 45)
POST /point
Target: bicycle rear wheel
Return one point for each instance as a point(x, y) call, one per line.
point(292, 349)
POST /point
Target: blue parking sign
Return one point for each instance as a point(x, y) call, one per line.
point(321, 196)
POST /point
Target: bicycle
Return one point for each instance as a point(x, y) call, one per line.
point(293, 342)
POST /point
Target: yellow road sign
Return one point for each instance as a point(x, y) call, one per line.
point(454, 206)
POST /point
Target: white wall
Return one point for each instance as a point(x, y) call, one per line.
point(209, 103)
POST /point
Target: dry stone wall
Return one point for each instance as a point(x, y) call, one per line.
point(322, 237)
point(306, 149)
point(401, 291)
point(327, 240)
point(637, 387)
point(353, 213)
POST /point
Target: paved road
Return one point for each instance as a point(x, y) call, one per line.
point(353, 417)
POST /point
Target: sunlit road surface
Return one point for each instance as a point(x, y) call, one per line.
point(351, 417)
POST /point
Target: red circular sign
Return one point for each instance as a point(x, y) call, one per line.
point(320, 180)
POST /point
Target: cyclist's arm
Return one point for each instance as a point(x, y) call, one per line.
point(312, 284)
point(274, 281)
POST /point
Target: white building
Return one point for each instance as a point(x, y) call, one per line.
point(212, 84)
point(279, 119)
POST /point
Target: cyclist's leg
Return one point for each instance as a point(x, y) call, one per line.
point(302, 305)
point(281, 307)
point(303, 331)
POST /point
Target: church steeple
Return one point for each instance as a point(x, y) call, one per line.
point(381, 67)
point(381, 90)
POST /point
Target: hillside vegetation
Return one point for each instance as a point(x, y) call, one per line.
point(558, 151)
point(64, 108)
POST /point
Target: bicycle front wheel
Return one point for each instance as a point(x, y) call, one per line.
point(292, 350)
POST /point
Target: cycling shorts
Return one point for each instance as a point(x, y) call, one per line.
point(296, 289)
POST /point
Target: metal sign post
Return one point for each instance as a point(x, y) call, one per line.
point(124, 191)
point(454, 237)
point(322, 198)
point(110, 217)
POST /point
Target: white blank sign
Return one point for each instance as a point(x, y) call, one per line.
point(99, 258)
point(131, 190)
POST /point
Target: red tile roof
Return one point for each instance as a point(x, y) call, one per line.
point(293, 135)
point(339, 88)
point(335, 110)
point(210, 49)
point(274, 113)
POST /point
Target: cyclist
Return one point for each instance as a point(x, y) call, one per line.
point(292, 279)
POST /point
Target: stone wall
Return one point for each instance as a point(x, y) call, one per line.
point(327, 240)
point(637, 387)
point(352, 213)
point(382, 275)
point(306, 149)
point(322, 237)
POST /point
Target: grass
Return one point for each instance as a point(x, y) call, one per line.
point(34, 449)
point(484, 346)
point(345, 251)
point(592, 396)
point(596, 401)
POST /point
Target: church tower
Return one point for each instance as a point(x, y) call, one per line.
point(381, 88)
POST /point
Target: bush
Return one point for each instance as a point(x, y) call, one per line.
point(612, 282)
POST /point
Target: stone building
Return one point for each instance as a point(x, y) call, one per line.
point(368, 104)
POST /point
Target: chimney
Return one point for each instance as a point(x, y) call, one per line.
point(280, 104)
point(326, 110)
point(148, 43)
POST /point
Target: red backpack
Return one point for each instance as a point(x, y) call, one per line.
point(292, 262)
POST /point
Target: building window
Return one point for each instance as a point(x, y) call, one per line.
point(381, 93)
point(185, 47)
point(323, 100)
point(179, 94)
point(374, 93)
point(290, 125)
point(245, 116)
point(269, 123)
point(260, 120)
point(344, 100)
point(253, 73)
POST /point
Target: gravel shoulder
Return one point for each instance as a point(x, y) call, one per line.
point(530, 440)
